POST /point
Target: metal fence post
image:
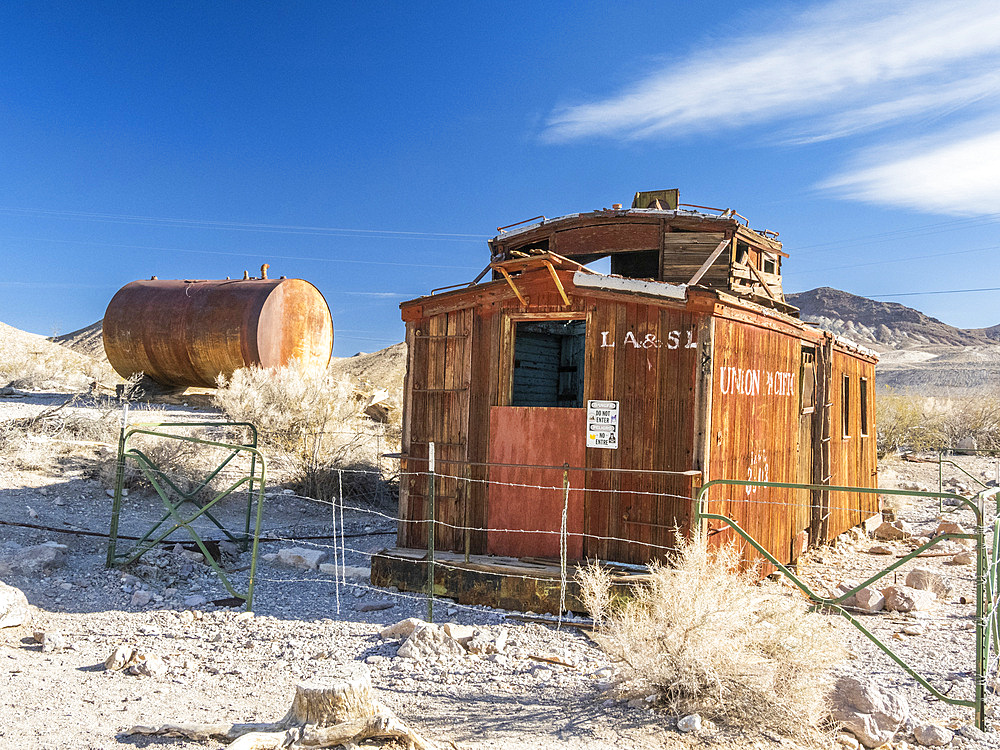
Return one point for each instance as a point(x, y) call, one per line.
point(430, 532)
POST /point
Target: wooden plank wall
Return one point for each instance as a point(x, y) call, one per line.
point(639, 352)
point(755, 431)
point(438, 383)
point(643, 355)
point(853, 458)
point(685, 252)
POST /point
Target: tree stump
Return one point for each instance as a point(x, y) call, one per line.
point(323, 714)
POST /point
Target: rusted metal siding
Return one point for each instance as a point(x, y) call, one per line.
point(852, 445)
point(186, 333)
point(755, 431)
point(702, 384)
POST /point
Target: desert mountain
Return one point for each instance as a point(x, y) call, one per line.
point(919, 354)
point(885, 324)
point(89, 340)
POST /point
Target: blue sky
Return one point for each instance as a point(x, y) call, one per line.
point(372, 149)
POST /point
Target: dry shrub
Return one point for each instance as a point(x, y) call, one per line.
point(907, 421)
point(312, 425)
point(705, 637)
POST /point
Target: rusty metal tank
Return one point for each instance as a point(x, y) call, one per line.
point(186, 333)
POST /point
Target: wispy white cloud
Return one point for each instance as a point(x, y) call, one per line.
point(911, 69)
point(881, 60)
point(954, 174)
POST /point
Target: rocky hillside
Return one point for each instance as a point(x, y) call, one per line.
point(885, 324)
point(919, 353)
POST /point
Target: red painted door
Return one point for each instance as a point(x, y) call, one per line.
point(525, 504)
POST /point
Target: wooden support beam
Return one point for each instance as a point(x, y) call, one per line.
point(708, 262)
point(510, 281)
point(559, 286)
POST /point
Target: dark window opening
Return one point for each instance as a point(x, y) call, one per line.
point(863, 395)
point(548, 363)
point(742, 252)
point(644, 264)
point(807, 380)
point(532, 248)
point(845, 407)
point(770, 264)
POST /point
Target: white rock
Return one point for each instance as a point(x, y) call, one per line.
point(933, 735)
point(869, 599)
point(461, 633)
point(849, 741)
point(402, 629)
point(427, 641)
point(929, 580)
point(914, 630)
point(51, 640)
point(689, 723)
point(300, 557)
point(148, 665)
point(123, 656)
point(871, 713)
point(13, 607)
point(906, 599)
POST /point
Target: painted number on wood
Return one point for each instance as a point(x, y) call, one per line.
point(602, 424)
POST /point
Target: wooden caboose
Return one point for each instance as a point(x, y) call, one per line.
point(634, 388)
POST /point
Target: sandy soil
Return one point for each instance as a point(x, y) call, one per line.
point(222, 666)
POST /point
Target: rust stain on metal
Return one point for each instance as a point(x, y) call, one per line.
point(187, 333)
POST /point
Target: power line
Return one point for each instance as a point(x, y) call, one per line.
point(232, 225)
point(250, 254)
point(892, 260)
point(940, 291)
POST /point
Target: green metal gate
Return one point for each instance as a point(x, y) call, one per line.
point(987, 577)
point(182, 508)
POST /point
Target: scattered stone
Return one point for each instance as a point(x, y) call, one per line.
point(870, 712)
point(461, 633)
point(51, 640)
point(954, 527)
point(933, 735)
point(148, 665)
point(849, 741)
point(894, 530)
point(689, 723)
point(401, 629)
point(376, 606)
point(32, 513)
point(928, 580)
point(121, 657)
point(869, 599)
point(914, 630)
point(429, 640)
point(906, 599)
point(40, 559)
point(880, 549)
point(975, 734)
point(13, 607)
point(141, 598)
point(964, 558)
point(348, 571)
point(195, 600)
point(300, 557)
point(481, 643)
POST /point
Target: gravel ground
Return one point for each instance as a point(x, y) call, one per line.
point(222, 665)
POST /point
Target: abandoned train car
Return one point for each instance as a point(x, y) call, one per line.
point(684, 364)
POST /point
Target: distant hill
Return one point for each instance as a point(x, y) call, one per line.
point(888, 324)
point(918, 353)
point(89, 340)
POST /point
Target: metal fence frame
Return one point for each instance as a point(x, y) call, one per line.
point(987, 577)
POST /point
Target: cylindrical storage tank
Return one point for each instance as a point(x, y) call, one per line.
point(187, 333)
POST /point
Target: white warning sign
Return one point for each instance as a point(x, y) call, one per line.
point(602, 424)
